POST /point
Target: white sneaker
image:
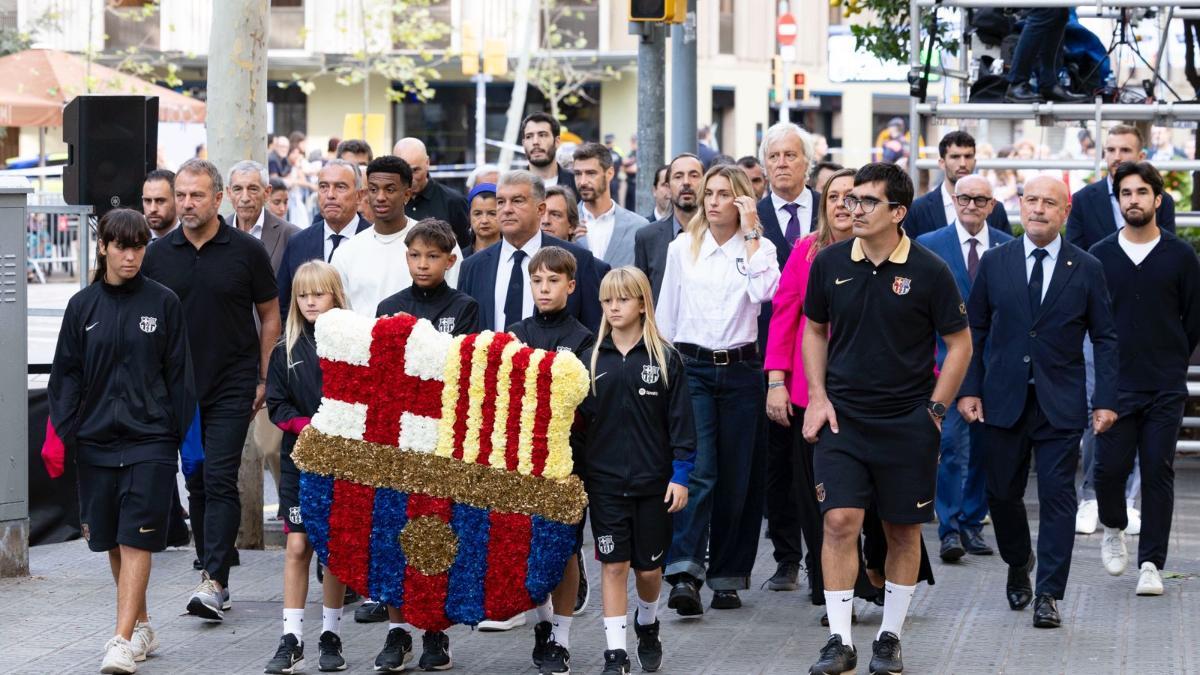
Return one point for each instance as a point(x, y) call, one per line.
point(1113, 552)
point(118, 657)
point(144, 641)
point(1134, 526)
point(1149, 580)
point(509, 624)
point(1087, 518)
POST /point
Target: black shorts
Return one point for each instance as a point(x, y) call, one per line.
point(289, 496)
point(128, 505)
point(636, 530)
point(889, 461)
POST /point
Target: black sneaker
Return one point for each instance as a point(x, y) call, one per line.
point(435, 651)
point(836, 658)
point(397, 651)
point(885, 655)
point(649, 647)
point(685, 597)
point(541, 641)
point(330, 648)
point(585, 590)
point(557, 661)
point(787, 577)
point(616, 661)
point(726, 600)
point(371, 612)
point(289, 657)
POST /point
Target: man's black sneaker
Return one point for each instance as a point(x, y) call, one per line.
point(541, 641)
point(787, 577)
point(197, 565)
point(350, 597)
point(885, 655)
point(557, 661)
point(685, 597)
point(952, 548)
point(726, 600)
point(585, 590)
point(371, 612)
point(616, 661)
point(397, 651)
point(649, 647)
point(330, 648)
point(435, 653)
point(836, 658)
point(289, 657)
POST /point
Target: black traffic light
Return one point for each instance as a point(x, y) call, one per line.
point(649, 10)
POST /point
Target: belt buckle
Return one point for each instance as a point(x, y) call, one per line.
point(720, 357)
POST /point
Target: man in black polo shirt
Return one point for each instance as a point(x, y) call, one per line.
point(875, 407)
point(431, 199)
point(222, 276)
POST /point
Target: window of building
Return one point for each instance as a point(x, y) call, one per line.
point(287, 25)
point(290, 107)
point(576, 19)
point(128, 24)
point(725, 28)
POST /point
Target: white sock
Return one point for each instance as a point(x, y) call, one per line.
point(562, 630)
point(839, 605)
point(331, 619)
point(895, 607)
point(545, 611)
point(647, 612)
point(293, 622)
point(614, 631)
point(394, 626)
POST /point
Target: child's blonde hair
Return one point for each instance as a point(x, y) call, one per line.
point(631, 282)
point(314, 276)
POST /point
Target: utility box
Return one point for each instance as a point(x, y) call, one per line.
point(14, 395)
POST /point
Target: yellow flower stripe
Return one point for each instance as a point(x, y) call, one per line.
point(476, 393)
point(500, 425)
point(445, 446)
point(568, 387)
point(528, 414)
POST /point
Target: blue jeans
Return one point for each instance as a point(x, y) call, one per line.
point(725, 490)
point(961, 500)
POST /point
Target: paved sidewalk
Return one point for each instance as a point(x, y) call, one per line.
point(58, 620)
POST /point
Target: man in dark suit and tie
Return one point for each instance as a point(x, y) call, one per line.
point(1095, 213)
point(960, 500)
point(498, 276)
point(1032, 301)
point(934, 210)
point(684, 174)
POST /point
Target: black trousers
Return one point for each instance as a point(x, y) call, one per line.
point(213, 500)
point(1056, 451)
point(1146, 429)
point(785, 522)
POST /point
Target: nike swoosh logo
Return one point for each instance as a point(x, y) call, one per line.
point(656, 557)
point(601, 375)
point(839, 282)
point(921, 505)
point(91, 326)
point(296, 363)
point(144, 530)
point(847, 599)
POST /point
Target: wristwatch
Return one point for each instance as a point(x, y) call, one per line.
point(753, 235)
point(936, 408)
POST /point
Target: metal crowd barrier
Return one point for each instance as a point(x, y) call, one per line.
point(59, 239)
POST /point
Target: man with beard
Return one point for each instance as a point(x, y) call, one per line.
point(539, 138)
point(158, 202)
point(935, 210)
point(684, 174)
point(610, 227)
point(1154, 282)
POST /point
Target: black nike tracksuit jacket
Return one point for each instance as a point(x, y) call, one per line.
point(293, 392)
point(449, 310)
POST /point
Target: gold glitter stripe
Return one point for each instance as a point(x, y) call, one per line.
point(479, 485)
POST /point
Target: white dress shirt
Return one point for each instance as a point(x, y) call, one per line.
point(256, 231)
point(964, 240)
point(948, 203)
point(374, 266)
point(1053, 248)
point(1118, 217)
point(504, 274)
point(599, 228)
point(712, 300)
point(804, 213)
point(348, 231)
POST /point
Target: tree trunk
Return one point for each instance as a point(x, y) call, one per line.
point(516, 106)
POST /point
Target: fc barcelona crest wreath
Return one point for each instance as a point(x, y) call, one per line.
point(436, 475)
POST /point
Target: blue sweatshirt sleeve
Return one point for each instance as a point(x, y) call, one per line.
point(682, 425)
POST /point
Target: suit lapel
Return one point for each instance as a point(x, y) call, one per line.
point(487, 284)
point(935, 203)
point(1106, 215)
point(1020, 285)
point(952, 251)
point(1064, 267)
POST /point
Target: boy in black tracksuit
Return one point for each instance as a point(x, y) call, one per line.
point(430, 297)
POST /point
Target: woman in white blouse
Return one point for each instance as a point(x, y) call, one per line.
point(718, 273)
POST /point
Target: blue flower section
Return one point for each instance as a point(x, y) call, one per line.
point(551, 545)
point(386, 580)
point(464, 591)
point(316, 495)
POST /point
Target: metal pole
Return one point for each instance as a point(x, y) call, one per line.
point(1057, 3)
point(914, 65)
point(651, 111)
point(1126, 112)
point(480, 119)
point(683, 84)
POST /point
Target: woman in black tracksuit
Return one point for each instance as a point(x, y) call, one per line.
point(121, 399)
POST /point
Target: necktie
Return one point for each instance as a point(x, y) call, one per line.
point(973, 258)
point(337, 240)
point(1035, 279)
point(792, 233)
point(514, 300)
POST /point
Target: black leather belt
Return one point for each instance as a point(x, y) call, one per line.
point(718, 357)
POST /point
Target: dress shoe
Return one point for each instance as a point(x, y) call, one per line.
point(1019, 590)
point(1045, 612)
point(974, 543)
point(952, 548)
point(685, 598)
point(726, 600)
point(1059, 94)
point(1022, 93)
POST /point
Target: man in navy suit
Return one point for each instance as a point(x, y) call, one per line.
point(1032, 301)
point(498, 276)
point(1095, 213)
point(960, 501)
point(934, 210)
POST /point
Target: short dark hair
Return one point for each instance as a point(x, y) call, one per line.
point(1145, 170)
point(898, 187)
point(827, 166)
point(124, 227)
point(960, 138)
point(391, 164)
point(161, 174)
point(544, 118)
point(748, 162)
point(434, 232)
point(296, 137)
point(355, 146)
point(554, 259)
point(722, 160)
point(660, 174)
point(277, 184)
point(572, 201)
point(595, 151)
point(676, 158)
point(333, 144)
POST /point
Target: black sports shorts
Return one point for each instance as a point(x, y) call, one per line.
point(128, 505)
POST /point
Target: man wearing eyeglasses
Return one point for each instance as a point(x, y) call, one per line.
point(960, 502)
point(935, 210)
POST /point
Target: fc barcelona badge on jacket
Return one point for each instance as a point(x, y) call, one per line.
point(148, 324)
point(902, 285)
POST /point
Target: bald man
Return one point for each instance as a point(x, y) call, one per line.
point(1032, 301)
point(430, 198)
